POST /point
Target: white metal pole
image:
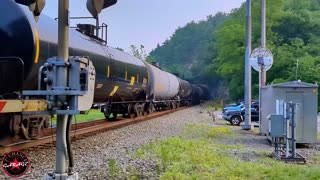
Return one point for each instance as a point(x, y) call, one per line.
point(263, 40)
point(263, 21)
point(247, 125)
point(63, 54)
point(262, 74)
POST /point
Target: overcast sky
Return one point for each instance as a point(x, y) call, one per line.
point(146, 22)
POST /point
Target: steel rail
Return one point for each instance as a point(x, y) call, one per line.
point(81, 129)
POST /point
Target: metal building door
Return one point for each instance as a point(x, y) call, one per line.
point(297, 97)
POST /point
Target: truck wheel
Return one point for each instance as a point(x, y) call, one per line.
point(235, 120)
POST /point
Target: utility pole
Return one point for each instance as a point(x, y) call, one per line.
point(263, 41)
point(247, 79)
point(262, 74)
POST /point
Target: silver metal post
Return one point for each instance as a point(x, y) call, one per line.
point(263, 24)
point(63, 32)
point(262, 74)
point(287, 136)
point(263, 40)
point(293, 125)
point(63, 54)
point(247, 79)
point(61, 145)
point(97, 26)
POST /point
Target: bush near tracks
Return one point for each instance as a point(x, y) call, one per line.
point(201, 153)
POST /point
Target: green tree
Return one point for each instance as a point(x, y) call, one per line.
point(187, 52)
point(138, 52)
point(212, 51)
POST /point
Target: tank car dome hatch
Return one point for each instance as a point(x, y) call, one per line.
point(87, 29)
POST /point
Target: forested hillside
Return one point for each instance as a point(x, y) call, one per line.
point(187, 52)
point(212, 51)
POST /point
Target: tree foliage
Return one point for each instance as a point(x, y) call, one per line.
point(187, 50)
point(138, 52)
point(212, 51)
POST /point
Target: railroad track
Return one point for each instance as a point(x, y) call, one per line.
point(81, 129)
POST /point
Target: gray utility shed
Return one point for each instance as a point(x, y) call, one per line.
point(305, 95)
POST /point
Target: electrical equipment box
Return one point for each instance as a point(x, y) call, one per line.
point(276, 125)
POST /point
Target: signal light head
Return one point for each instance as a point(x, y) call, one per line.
point(35, 6)
point(95, 6)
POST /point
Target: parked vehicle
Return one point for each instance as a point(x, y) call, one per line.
point(239, 106)
point(235, 117)
point(233, 108)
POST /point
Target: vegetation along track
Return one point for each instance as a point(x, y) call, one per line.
point(80, 129)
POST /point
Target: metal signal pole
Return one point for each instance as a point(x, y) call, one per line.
point(63, 55)
point(263, 41)
point(262, 74)
point(247, 124)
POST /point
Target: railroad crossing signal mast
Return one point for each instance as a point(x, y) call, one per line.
point(68, 90)
point(247, 78)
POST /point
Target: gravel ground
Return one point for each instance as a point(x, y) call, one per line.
point(93, 154)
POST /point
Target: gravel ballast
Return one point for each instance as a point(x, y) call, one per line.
point(93, 154)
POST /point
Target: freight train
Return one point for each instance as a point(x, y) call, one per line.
point(124, 84)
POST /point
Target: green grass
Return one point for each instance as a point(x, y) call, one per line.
point(199, 153)
point(92, 114)
point(114, 168)
point(318, 136)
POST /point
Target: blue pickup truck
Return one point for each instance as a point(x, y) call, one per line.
point(239, 106)
point(235, 117)
point(233, 108)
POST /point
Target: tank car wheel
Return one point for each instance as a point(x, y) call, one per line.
point(149, 109)
point(113, 117)
point(131, 112)
point(143, 109)
point(32, 129)
point(174, 105)
point(171, 105)
point(132, 115)
point(136, 110)
point(146, 109)
point(7, 128)
point(25, 125)
point(39, 130)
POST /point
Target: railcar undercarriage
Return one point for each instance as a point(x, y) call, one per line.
point(16, 126)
